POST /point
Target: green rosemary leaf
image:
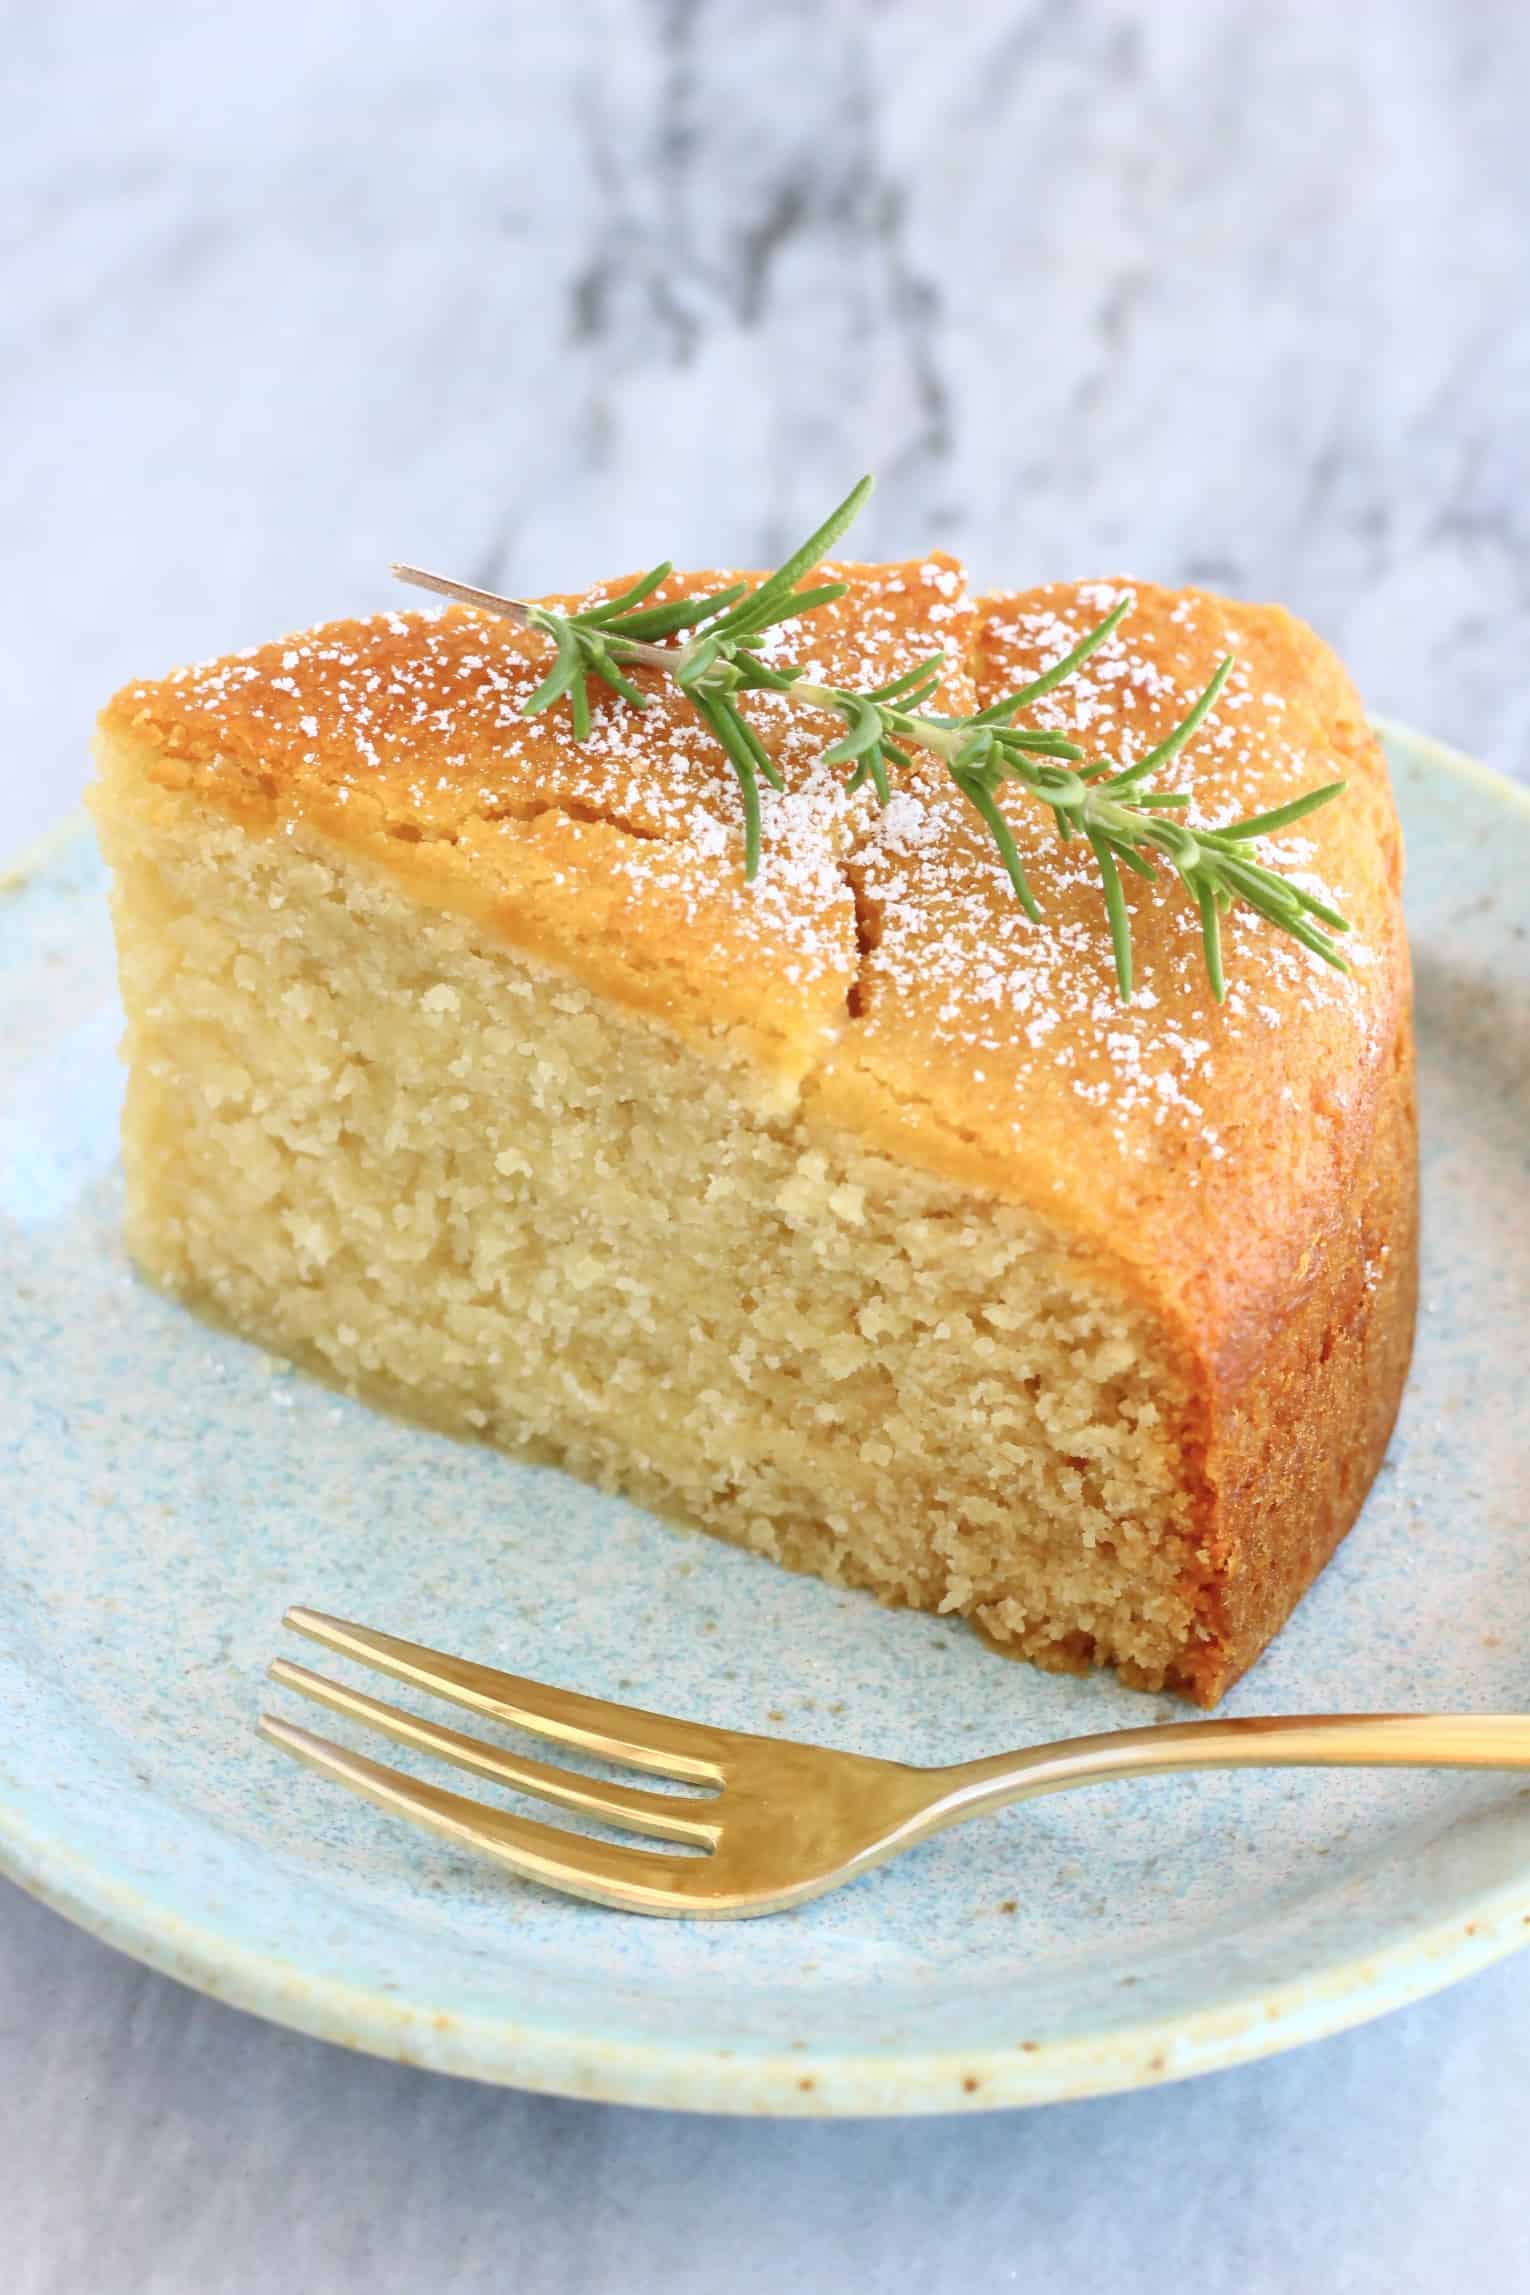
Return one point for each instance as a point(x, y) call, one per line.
point(1061, 671)
point(1035, 743)
point(728, 727)
point(645, 585)
point(788, 608)
point(756, 676)
point(927, 673)
point(1264, 824)
point(1249, 878)
point(871, 768)
point(1295, 924)
point(1290, 898)
point(1133, 859)
point(579, 703)
point(806, 556)
point(1115, 910)
point(746, 625)
point(997, 712)
point(764, 762)
point(1318, 942)
point(1211, 936)
point(619, 682)
point(562, 674)
point(1320, 909)
point(1172, 743)
point(865, 731)
point(1276, 897)
point(974, 790)
point(694, 662)
point(682, 614)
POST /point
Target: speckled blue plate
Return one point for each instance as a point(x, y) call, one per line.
point(167, 1491)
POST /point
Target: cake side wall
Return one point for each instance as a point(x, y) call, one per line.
point(1296, 1440)
point(369, 1137)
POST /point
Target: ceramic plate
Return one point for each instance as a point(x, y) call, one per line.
point(167, 1491)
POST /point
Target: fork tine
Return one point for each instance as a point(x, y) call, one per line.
point(637, 1880)
point(621, 1732)
point(673, 1817)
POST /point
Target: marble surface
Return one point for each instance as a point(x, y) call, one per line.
point(1208, 291)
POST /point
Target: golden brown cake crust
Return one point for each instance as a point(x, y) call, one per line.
point(1295, 1444)
point(401, 738)
point(1247, 1171)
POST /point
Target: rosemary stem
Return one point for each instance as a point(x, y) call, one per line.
point(714, 657)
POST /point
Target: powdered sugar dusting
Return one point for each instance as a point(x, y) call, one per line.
point(1034, 1009)
point(420, 715)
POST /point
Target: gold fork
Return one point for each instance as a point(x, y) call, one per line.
point(778, 1822)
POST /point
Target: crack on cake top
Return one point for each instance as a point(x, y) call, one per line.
point(420, 714)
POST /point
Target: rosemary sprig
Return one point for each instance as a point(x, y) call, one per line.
point(1116, 810)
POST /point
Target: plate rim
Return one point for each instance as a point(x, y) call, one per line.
point(796, 2083)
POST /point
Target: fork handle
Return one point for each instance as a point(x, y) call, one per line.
point(1290, 1741)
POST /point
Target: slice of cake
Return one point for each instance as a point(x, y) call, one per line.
point(848, 1213)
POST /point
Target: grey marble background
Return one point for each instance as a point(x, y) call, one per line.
point(1230, 292)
